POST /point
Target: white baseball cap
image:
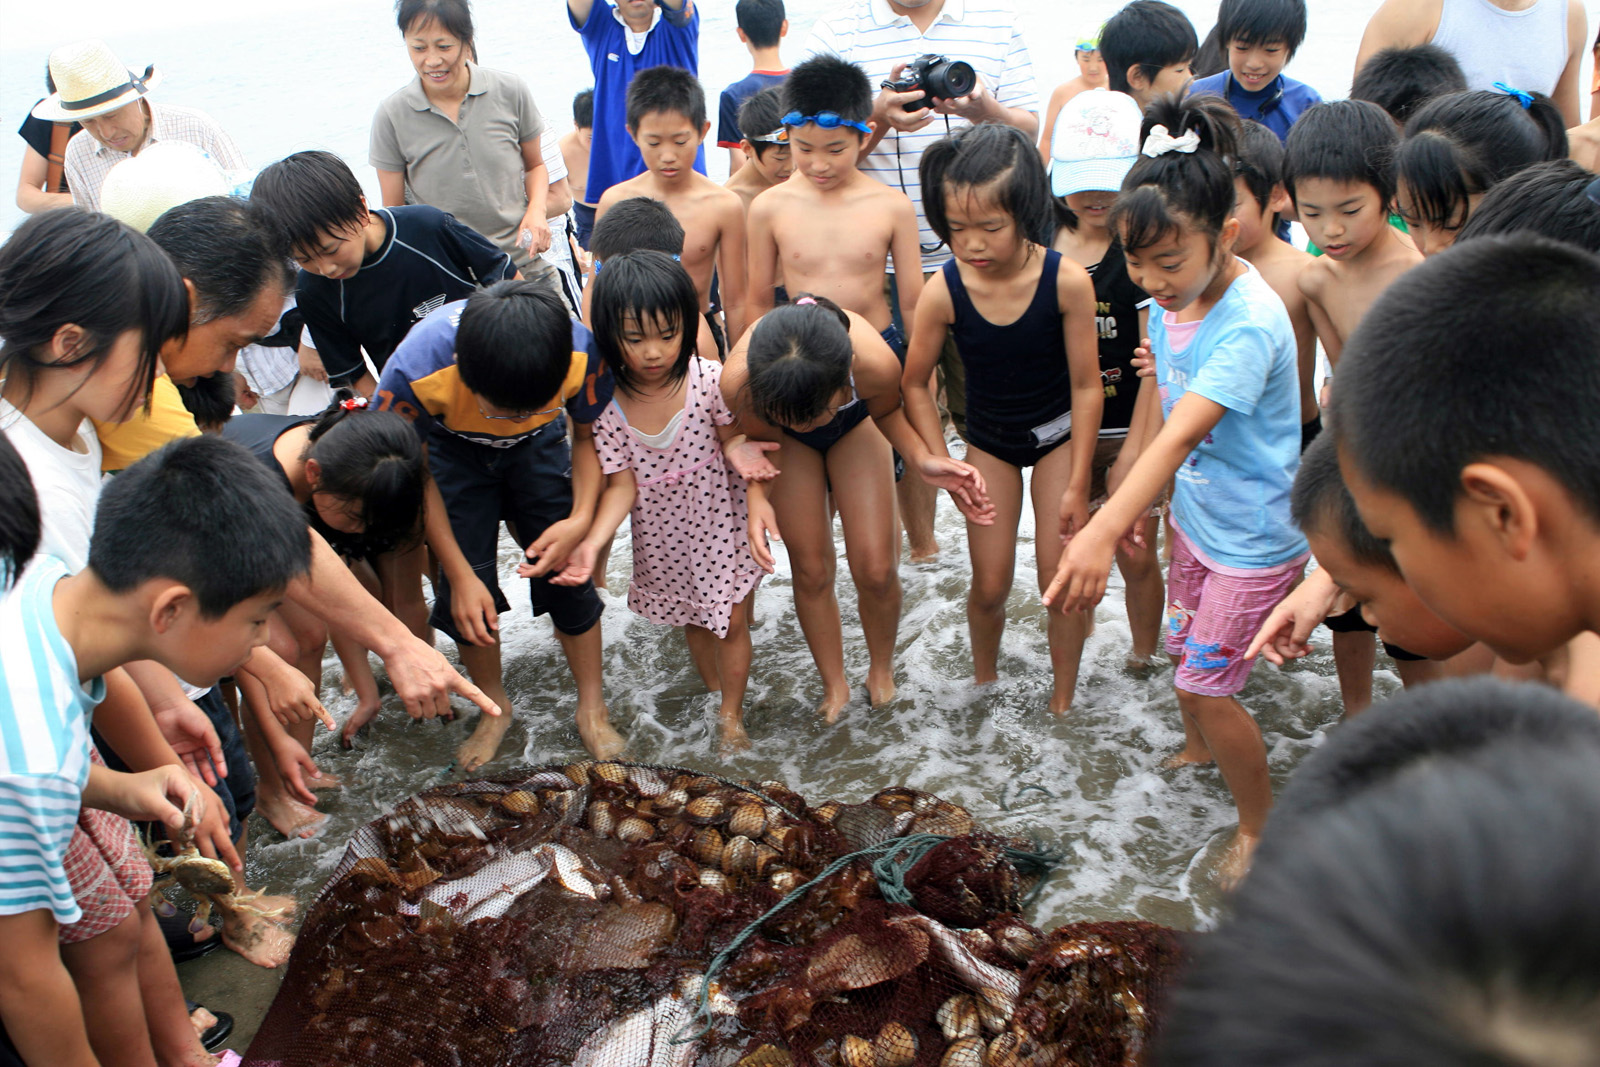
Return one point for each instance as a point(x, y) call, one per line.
point(1095, 143)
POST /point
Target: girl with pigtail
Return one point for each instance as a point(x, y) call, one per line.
point(1225, 362)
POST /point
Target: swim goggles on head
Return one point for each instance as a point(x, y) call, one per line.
point(1086, 45)
point(777, 136)
point(598, 264)
point(828, 120)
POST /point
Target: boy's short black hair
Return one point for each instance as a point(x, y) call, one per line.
point(210, 399)
point(204, 512)
point(1262, 22)
point(1259, 161)
point(1400, 80)
point(1430, 380)
point(514, 344)
point(1148, 34)
point(828, 83)
point(305, 197)
point(1321, 505)
point(666, 90)
point(1343, 141)
point(759, 115)
point(761, 21)
point(638, 223)
point(583, 109)
point(1548, 198)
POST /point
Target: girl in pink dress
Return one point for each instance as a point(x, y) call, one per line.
point(674, 463)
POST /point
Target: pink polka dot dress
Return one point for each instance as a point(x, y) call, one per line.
point(691, 544)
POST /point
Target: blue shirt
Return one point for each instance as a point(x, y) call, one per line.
point(733, 97)
point(1277, 117)
point(1232, 493)
point(613, 157)
point(44, 746)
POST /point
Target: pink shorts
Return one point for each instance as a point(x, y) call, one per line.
point(1212, 616)
point(109, 875)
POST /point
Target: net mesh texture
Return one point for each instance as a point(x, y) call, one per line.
point(622, 915)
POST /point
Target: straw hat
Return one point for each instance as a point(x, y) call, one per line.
point(91, 80)
point(140, 190)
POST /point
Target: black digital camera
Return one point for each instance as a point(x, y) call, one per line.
point(937, 78)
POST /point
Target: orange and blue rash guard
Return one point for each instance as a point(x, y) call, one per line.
point(421, 382)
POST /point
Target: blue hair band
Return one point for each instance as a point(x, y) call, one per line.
point(1523, 98)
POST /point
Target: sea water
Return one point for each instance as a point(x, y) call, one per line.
point(1136, 841)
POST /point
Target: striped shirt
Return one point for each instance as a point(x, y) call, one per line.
point(88, 161)
point(44, 746)
point(984, 33)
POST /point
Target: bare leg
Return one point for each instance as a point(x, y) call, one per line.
point(173, 1037)
point(993, 550)
point(799, 499)
point(307, 640)
point(1415, 672)
point(1145, 598)
point(400, 581)
point(918, 502)
point(482, 663)
point(358, 675)
point(862, 469)
point(733, 667)
point(1234, 737)
point(1067, 631)
point(703, 651)
point(594, 721)
point(1355, 655)
point(105, 969)
point(1194, 749)
point(288, 816)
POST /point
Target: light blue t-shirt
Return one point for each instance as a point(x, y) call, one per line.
point(1232, 493)
point(44, 746)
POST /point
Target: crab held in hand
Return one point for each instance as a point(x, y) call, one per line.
point(202, 878)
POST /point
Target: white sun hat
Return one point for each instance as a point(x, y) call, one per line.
point(140, 190)
point(91, 80)
point(1095, 143)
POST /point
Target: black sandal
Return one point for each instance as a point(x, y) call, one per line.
point(180, 942)
point(219, 1032)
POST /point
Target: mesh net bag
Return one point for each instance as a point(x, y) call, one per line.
point(621, 915)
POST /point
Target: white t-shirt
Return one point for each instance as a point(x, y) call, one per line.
point(559, 254)
point(67, 481)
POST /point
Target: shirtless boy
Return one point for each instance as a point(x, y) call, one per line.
point(667, 120)
point(575, 154)
point(765, 146)
point(833, 228)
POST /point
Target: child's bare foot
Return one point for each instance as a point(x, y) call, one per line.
point(1060, 703)
point(599, 736)
point(880, 686)
point(357, 721)
point(202, 1020)
point(290, 817)
point(1186, 757)
point(1140, 666)
point(263, 943)
point(833, 702)
point(323, 780)
point(484, 743)
point(734, 739)
point(278, 909)
point(1235, 863)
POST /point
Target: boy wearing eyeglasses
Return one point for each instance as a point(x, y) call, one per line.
point(1261, 37)
point(489, 383)
point(667, 120)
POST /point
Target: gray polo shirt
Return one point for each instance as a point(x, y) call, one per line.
point(471, 167)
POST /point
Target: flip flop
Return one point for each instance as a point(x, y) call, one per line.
point(219, 1031)
point(180, 942)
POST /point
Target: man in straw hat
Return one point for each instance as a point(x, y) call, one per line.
point(112, 103)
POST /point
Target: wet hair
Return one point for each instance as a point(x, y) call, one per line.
point(1178, 191)
point(1262, 22)
point(1460, 145)
point(1259, 161)
point(828, 83)
point(1320, 504)
point(223, 250)
point(997, 158)
point(87, 269)
point(583, 109)
point(305, 198)
point(649, 287)
point(19, 514)
point(761, 114)
point(1546, 198)
point(636, 224)
point(204, 512)
point(1425, 385)
point(453, 16)
point(1342, 141)
point(1400, 80)
point(666, 90)
point(1149, 34)
point(798, 359)
point(373, 459)
point(514, 344)
point(210, 399)
point(1441, 917)
point(761, 21)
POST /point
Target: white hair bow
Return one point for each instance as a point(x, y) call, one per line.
point(1160, 142)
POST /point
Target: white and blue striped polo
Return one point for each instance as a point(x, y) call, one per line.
point(44, 746)
point(984, 33)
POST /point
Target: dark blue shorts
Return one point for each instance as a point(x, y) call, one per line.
point(1352, 622)
point(528, 487)
point(583, 215)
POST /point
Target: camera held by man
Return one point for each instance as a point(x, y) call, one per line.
point(937, 78)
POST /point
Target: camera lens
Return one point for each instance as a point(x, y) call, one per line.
point(949, 79)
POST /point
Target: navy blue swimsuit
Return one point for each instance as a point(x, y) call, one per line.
point(1019, 391)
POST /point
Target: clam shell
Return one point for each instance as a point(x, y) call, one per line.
point(548, 780)
point(766, 856)
point(704, 810)
point(958, 1017)
point(1004, 1051)
point(711, 878)
point(827, 812)
point(646, 782)
point(579, 772)
point(615, 773)
point(707, 847)
point(994, 1009)
point(672, 800)
point(785, 880)
point(923, 803)
point(857, 1052)
point(894, 1046)
point(699, 787)
point(602, 818)
point(635, 830)
point(964, 1052)
point(520, 802)
point(1018, 942)
point(767, 1056)
point(747, 820)
point(739, 856)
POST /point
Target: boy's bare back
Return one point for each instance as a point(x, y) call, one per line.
point(575, 154)
point(1281, 265)
point(1339, 294)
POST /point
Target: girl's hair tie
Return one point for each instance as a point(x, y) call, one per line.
point(354, 403)
point(1523, 98)
point(1160, 142)
point(806, 301)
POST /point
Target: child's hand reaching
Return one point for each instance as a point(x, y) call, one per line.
point(473, 611)
point(749, 458)
point(964, 484)
point(763, 524)
point(1144, 360)
point(1080, 581)
point(1074, 513)
point(579, 568)
point(290, 695)
point(550, 551)
point(157, 795)
point(1286, 634)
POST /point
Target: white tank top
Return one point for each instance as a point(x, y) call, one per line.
point(1525, 49)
